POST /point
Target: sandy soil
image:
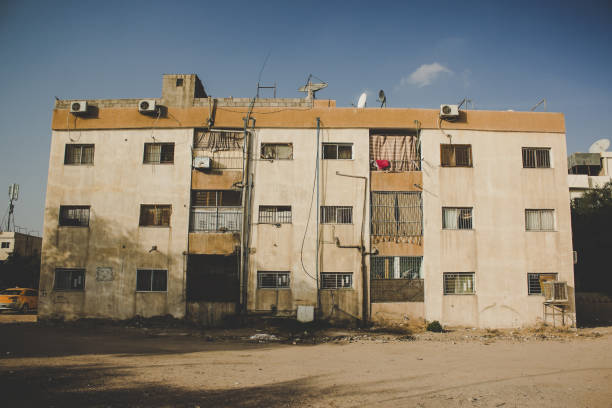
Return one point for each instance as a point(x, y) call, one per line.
point(115, 366)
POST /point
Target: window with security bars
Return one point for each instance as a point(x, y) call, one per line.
point(158, 153)
point(336, 215)
point(272, 280)
point(457, 218)
point(216, 198)
point(535, 280)
point(79, 154)
point(337, 151)
point(336, 280)
point(397, 214)
point(459, 283)
point(155, 215)
point(536, 157)
point(69, 279)
point(396, 267)
point(151, 280)
point(539, 220)
point(277, 151)
point(74, 216)
point(456, 155)
point(271, 214)
point(216, 210)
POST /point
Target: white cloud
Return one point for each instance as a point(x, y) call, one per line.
point(425, 75)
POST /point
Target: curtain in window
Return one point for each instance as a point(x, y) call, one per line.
point(88, 152)
point(400, 151)
point(450, 218)
point(154, 153)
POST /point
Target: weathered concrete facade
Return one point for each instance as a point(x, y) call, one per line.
point(355, 237)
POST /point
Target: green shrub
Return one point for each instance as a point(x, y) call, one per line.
point(435, 326)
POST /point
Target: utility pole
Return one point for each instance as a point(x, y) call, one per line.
point(13, 196)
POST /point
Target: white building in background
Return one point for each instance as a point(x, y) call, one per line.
point(588, 171)
point(18, 243)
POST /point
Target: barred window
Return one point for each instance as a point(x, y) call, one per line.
point(277, 151)
point(79, 154)
point(158, 153)
point(539, 220)
point(151, 280)
point(459, 283)
point(535, 280)
point(270, 214)
point(396, 267)
point(397, 213)
point(69, 279)
point(272, 280)
point(457, 218)
point(74, 215)
point(6, 244)
point(216, 198)
point(155, 215)
point(216, 210)
point(337, 151)
point(454, 155)
point(336, 215)
point(536, 157)
point(335, 280)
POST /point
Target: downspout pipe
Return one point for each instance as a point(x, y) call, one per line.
point(318, 215)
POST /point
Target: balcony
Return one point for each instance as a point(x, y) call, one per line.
point(215, 219)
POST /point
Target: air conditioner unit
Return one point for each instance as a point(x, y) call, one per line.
point(77, 107)
point(449, 111)
point(147, 106)
point(202, 162)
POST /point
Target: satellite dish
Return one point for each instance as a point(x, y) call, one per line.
point(382, 98)
point(599, 146)
point(361, 103)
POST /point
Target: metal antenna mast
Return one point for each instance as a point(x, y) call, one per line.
point(13, 196)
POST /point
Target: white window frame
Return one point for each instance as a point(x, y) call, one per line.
point(340, 279)
point(338, 208)
point(446, 226)
point(447, 275)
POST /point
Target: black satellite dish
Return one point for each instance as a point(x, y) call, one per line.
point(382, 98)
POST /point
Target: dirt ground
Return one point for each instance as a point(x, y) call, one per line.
point(140, 365)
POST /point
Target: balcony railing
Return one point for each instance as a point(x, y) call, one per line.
point(215, 219)
point(395, 165)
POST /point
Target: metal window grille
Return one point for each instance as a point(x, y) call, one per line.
point(457, 218)
point(158, 153)
point(69, 279)
point(269, 214)
point(336, 215)
point(151, 280)
point(277, 151)
point(539, 220)
point(214, 198)
point(535, 280)
point(222, 219)
point(396, 267)
point(397, 213)
point(536, 157)
point(79, 154)
point(334, 280)
point(74, 215)
point(453, 155)
point(459, 283)
point(337, 151)
point(272, 280)
point(155, 215)
point(225, 148)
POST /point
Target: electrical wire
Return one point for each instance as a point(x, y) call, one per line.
point(314, 185)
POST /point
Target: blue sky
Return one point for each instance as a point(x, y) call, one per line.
point(502, 56)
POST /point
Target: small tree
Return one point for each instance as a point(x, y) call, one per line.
point(22, 271)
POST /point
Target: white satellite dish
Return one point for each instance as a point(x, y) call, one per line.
point(599, 146)
point(361, 103)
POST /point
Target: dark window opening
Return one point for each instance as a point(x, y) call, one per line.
point(272, 280)
point(151, 280)
point(179, 81)
point(74, 215)
point(453, 155)
point(158, 153)
point(213, 278)
point(6, 245)
point(79, 154)
point(337, 151)
point(155, 215)
point(536, 157)
point(69, 279)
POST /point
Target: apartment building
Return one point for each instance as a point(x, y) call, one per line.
point(18, 243)
point(201, 207)
point(588, 171)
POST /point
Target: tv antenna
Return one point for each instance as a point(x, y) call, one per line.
point(382, 98)
point(259, 86)
point(543, 101)
point(13, 196)
point(310, 88)
point(599, 146)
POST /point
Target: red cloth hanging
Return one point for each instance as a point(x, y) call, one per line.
point(382, 164)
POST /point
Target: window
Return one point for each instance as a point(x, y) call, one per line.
point(179, 82)
point(151, 280)
point(74, 216)
point(539, 220)
point(336, 215)
point(397, 214)
point(6, 245)
point(155, 215)
point(535, 280)
point(69, 279)
point(457, 218)
point(79, 154)
point(269, 214)
point(536, 157)
point(336, 280)
point(158, 153)
point(277, 151)
point(337, 151)
point(454, 155)
point(393, 152)
point(272, 280)
point(216, 210)
point(396, 267)
point(460, 283)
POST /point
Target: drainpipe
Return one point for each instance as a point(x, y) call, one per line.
point(361, 247)
point(318, 215)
